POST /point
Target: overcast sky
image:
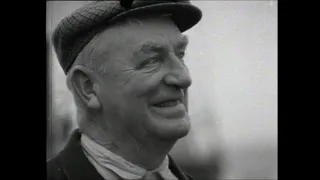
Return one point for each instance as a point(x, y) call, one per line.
point(233, 60)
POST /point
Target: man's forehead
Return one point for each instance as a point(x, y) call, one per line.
point(178, 42)
point(143, 30)
point(150, 24)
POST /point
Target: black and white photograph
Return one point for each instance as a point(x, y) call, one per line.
point(162, 90)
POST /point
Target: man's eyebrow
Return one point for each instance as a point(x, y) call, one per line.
point(157, 47)
point(150, 46)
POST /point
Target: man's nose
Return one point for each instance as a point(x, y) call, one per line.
point(178, 75)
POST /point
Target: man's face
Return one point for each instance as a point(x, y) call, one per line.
point(143, 91)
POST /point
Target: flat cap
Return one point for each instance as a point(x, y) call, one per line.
point(76, 30)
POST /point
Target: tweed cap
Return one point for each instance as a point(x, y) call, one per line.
point(76, 30)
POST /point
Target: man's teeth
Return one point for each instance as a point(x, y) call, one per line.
point(168, 103)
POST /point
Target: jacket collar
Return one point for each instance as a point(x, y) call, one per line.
point(77, 167)
point(75, 164)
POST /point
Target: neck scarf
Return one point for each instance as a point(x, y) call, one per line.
point(104, 161)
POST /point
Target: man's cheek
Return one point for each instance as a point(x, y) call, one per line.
point(145, 86)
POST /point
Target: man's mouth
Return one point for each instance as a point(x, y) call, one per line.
point(169, 108)
point(168, 103)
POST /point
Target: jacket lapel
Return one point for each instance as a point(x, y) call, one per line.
point(75, 163)
point(177, 171)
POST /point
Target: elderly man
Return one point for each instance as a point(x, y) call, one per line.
point(125, 69)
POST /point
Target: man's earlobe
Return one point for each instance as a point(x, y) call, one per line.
point(94, 103)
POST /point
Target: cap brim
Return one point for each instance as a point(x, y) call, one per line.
point(184, 15)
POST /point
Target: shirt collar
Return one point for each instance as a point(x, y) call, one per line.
point(123, 168)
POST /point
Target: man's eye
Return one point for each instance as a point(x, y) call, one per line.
point(153, 60)
point(181, 54)
point(150, 61)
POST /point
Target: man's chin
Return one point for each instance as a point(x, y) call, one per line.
point(173, 129)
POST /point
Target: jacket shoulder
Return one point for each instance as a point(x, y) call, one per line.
point(55, 170)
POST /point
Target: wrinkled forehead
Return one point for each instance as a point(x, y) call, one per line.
point(136, 30)
point(151, 23)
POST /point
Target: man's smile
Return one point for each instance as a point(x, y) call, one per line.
point(168, 103)
point(170, 107)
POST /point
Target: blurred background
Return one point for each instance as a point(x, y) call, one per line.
point(232, 57)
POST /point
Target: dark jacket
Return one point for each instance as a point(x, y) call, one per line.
point(72, 164)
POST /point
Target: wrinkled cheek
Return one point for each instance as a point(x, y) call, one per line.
point(138, 118)
point(145, 87)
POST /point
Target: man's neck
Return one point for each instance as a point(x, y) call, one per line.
point(148, 155)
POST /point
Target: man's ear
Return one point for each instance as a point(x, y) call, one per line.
point(82, 82)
